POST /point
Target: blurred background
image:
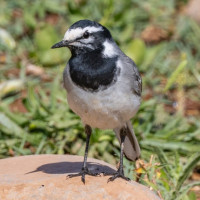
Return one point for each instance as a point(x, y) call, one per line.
point(163, 38)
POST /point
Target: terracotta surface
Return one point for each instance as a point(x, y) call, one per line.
point(43, 177)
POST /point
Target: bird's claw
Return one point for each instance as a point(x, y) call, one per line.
point(83, 172)
point(118, 174)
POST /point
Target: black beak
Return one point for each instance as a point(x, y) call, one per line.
point(60, 44)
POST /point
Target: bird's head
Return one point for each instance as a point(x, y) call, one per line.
point(85, 36)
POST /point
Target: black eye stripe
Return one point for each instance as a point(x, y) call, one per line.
point(86, 35)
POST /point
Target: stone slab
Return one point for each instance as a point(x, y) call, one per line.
point(43, 177)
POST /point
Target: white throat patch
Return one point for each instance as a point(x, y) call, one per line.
point(72, 34)
point(109, 50)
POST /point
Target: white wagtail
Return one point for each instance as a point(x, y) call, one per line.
point(103, 87)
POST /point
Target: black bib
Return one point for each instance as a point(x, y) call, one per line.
point(91, 71)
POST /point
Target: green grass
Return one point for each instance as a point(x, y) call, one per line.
point(167, 124)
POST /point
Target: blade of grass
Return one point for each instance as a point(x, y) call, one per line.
point(187, 170)
point(11, 125)
point(173, 77)
point(174, 145)
point(184, 190)
point(164, 161)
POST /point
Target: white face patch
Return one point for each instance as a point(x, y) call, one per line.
point(109, 50)
point(72, 34)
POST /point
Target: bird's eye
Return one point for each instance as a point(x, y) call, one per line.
point(86, 35)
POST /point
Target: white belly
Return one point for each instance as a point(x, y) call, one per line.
point(107, 109)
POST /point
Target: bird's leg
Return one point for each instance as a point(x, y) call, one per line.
point(84, 169)
point(120, 171)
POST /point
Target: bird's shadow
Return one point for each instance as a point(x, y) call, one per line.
point(71, 167)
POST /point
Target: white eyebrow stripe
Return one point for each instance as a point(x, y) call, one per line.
point(72, 34)
point(109, 50)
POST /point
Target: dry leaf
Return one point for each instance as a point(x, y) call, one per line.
point(154, 34)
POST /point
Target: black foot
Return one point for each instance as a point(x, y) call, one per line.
point(83, 172)
point(118, 174)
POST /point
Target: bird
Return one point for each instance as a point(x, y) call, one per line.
point(103, 88)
